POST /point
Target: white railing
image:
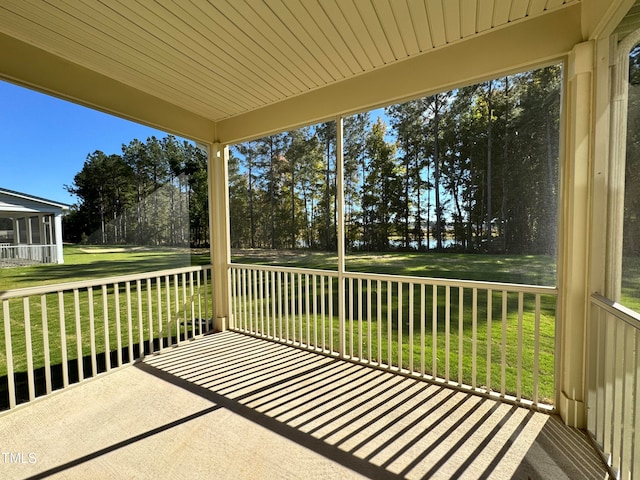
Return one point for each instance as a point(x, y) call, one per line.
point(56, 335)
point(490, 338)
point(29, 253)
point(613, 402)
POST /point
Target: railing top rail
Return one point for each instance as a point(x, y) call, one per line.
point(59, 287)
point(619, 311)
point(517, 287)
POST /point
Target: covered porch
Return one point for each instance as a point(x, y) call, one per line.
point(226, 72)
point(35, 235)
point(230, 405)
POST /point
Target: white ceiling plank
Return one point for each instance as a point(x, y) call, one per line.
point(295, 50)
point(198, 51)
point(334, 37)
point(485, 15)
point(452, 20)
point(85, 58)
point(519, 9)
point(345, 30)
point(552, 4)
point(260, 41)
point(501, 9)
point(418, 11)
point(92, 48)
point(388, 36)
point(537, 7)
point(435, 12)
point(230, 58)
point(229, 38)
point(305, 45)
point(406, 27)
point(352, 17)
point(302, 25)
point(468, 15)
point(161, 50)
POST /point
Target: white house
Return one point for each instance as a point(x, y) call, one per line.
point(37, 229)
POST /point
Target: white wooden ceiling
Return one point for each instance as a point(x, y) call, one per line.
point(222, 58)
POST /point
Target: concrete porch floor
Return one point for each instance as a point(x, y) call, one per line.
point(228, 406)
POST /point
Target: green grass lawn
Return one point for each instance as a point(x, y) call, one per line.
point(83, 263)
point(91, 262)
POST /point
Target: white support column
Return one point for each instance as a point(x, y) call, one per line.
point(57, 230)
point(341, 232)
point(16, 231)
point(220, 249)
point(574, 228)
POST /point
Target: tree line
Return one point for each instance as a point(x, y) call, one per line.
point(473, 169)
point(154, 193)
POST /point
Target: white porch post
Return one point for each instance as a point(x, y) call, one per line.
point(220, 249)
point(574, 228)
point(57, 230)
point(341, 235)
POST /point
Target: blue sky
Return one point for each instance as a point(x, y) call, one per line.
point(44, 141)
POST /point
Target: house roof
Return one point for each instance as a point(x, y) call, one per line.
point(229, 70)
point(12, 202)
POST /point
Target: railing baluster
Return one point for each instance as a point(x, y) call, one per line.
point(167, 292)
point(315, 311)
point(150, 314)
point(300, 309)
point(105, 317)
point(76, 309)
point(434, 331)
point(287, 309)
point(272, 299)
point(489, 339)
point(460, 334)
point(116, 301)
point(280, 293)
point(423, 322)
point(140, 327)
point(92, 332)
point(474, 338)
point(359, 300)
point(161, 330)
point(379, 318)
point(369, 308)
point(29, 348)
point(447, 332)
point(400, 325)
point(63, 340)
point(635, 467)
point(331, 314)
point(193, 306)
point(350, 302)
point(11, 382)
point(503, 361)
point(177, 307)
point(323, 312)
point(260, 301)
point(307, 308)
point(411, 287)
point(45, 344)
point(536, 349)
point(627, 398)
point(389, 325)
point(127, 289)
point(199, 294)
point(520, 326)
